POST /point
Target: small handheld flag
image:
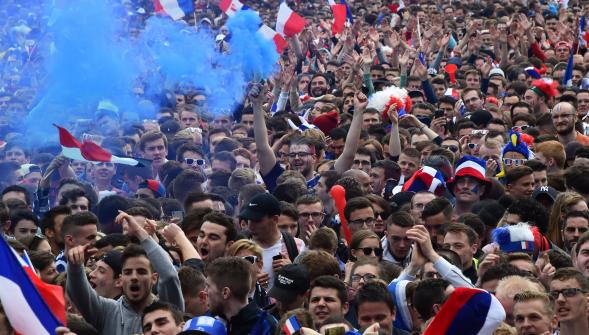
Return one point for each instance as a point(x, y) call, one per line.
point(176, 9)
point(289, 23)
point(291, 325)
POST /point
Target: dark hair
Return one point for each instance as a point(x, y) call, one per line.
point(333, 283)
point(576, 178)
point(41, 259)
point(132, 251)
point(22, 214)
point(352, 186)
point(81, 219)
point(572, 273)
point(225, 156)
point(391, 169)
point(192, 281)
point(473, 221)
point(226, 145)
point(576, 214)
point(535, 165)
point(374, 291)
point(530, 210)
point(355, 204)
point(185, 183)
point(139, 211)
point(108, 209)
point(500, 271)
point(73, 195)
point(18, 189)
point(338, 134)
point(232, 272)
point(436, 206)
point(320, 263)
point(114, 240)
point(429, 292)
point(401, 219)
point(288, 209)
point(158, 305)
point(516, 173)
point(151, 136)
point(331, 177)
point(187, 147)
point(456, 228)
point(225, 221)
point(48, 221)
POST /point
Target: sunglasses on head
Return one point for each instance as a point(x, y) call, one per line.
point(368, 251)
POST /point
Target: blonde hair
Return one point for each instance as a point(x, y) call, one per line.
point(509, 286)
point(528, 295)
point(245, 245)
point(563, 201)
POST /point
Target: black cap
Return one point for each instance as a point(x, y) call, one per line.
point(415, 94)
point(113, 259)
point(544, 191)
point(263, 204)
point(290, 281)
point(481, 117)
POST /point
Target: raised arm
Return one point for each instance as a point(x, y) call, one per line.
point(345, 160)
point(266, 156)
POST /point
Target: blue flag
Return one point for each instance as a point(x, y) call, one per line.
point(567, 80)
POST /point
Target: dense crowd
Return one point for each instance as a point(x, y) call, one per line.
point(424, 171)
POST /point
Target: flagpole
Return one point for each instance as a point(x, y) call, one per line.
point(419, 32)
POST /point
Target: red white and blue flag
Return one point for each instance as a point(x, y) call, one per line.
point(176, 9)
point(339, 11)
point(468, 311)
point(289, 23)
point(291, 325)
point(350, 17)
point(272, 35)
point(88, 151)
point(32, 306)
point(231, 7)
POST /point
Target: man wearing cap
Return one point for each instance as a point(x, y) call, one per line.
point(204, 325)
point(469, 183)
point(29, 176)
point(290, 287)
point(104, 279)
point(262, 214)
point(107, 119)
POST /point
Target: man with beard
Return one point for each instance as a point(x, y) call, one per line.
point(318, 86)
point(302, 151)
point(215, 236)
point(229, 281)
point(564, 117)
point(469, 183)
point(142, 267)
point(576, 223)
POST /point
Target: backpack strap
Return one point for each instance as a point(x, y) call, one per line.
point(291, 246)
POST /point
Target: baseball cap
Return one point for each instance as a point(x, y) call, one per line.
point(261, 205)
point(155, 186)
point(545, 191)
point(204, 325)
point(291, 280)
point(114, 259)
point(496, 72)
point(25, 169)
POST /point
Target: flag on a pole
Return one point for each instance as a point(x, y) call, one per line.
point(88, 151)
point(339, 16)
point(32, 306)
point(289, 23)
point(231, 7)
point(272, 35)
point(349, 16)
point(176, 9)
point(567, 80)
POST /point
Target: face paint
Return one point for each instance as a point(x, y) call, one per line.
point(475, 189)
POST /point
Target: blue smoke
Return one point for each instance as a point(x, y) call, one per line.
point(93, 57)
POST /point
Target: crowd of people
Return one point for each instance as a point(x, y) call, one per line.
point(423, 171)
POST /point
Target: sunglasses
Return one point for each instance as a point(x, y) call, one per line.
point(472, 146)
point(519, 129)
point(368, 251)
point(251, 259)
point(566, 292)
point(383, 215)
point(453, 148)
point(514, 162)
point(191, 161)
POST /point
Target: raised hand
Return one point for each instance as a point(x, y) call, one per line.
point(360, 102)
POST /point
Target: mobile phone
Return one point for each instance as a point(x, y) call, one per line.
point(439, 113)
point(178, 214)
point(388, 189)
point(337, 330)
point(276, 257)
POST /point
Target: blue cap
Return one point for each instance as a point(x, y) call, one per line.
point(204, 325)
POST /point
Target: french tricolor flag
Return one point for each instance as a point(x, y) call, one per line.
point(291, 325)
point(231, 7)
point(176, 9)
point(339, 17)
point(426, 179)
point(289, 23)
point(32, 306)
point(272, 35)
point(88, 151)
